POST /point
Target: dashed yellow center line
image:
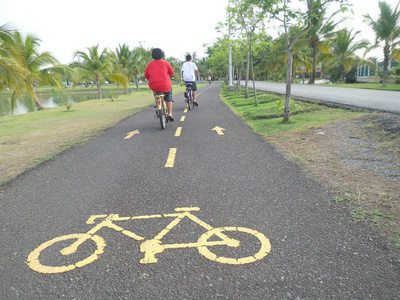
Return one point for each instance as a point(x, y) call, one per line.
point(171, 158)
point(183, 118)
point(178, 131)
point(185, 110)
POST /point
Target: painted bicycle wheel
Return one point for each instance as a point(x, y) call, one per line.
point(34, 257)
point(244, 245)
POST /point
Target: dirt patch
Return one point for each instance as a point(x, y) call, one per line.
point(359, 159)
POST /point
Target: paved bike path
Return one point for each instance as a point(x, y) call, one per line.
point(236, 179)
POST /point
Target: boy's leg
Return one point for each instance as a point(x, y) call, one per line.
point(168, 102)
point(194, 89)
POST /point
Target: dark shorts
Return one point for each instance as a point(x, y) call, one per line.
point(168, 96)
point(194, 85)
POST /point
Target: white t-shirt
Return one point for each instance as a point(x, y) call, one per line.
point(188, 69)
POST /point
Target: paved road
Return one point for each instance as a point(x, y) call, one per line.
point(386, 101)
point(236, 180)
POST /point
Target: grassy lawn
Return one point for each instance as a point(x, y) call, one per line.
point(267, 119)
point(29, 139)
point(372, 86)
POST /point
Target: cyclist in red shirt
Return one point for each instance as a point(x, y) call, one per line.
point(159, 73)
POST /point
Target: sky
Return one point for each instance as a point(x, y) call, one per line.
point(176, 26)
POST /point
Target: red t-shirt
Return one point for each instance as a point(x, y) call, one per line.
point(158, 72)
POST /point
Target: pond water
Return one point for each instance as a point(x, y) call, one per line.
point(26, 104)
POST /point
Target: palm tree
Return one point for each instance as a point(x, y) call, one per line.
point(11, 74)
point(342, 54)
point(123, 62)
point(141, 57)
point(387, 31)
point(321, 29)
point(37, 67)
point(93, 63)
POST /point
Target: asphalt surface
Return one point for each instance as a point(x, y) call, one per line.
point(385, 101)
point(236, 180)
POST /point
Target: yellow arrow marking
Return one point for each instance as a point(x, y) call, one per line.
point(218, 130)
point(183, 118)
point(171, 158)
point(178, 131)
point(131, 134)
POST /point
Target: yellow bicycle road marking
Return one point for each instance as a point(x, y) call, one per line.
point(178, 131)
point(212, 237)
point(33, 258)
point(171, 158)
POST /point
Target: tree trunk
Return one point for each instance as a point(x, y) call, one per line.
point(289, 76)
point(98, 89)
point(137, 83)
point(240, 75)
point(385, 65)
point(246, 87)
point(314, 64)
point(341, 78)
point(36, 99)
point(252, 72)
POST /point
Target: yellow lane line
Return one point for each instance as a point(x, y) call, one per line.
point(178, 131)
point(171, 158)
point(183, 118)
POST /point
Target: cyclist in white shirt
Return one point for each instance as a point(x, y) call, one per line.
point(189, 72)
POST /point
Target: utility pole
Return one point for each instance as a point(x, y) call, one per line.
point(230, 86)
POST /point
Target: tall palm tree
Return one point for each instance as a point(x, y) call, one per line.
point(321, 29)
point(38, 67)
point(11, 74)
point(141, 57)
point(387, 30)
point(94, 64)
point(342, 51)
point(123, 62)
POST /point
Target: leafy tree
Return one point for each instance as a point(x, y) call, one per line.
point(342, 54)
point(249, 15)
point(96, 64)
point(321, 30)
point(287, 16)
point(11, 74)
point(123, 63)
point(38, 67)
point(141, 57)
point(217, 60)
point(387, 31)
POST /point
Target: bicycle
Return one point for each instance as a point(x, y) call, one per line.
point(162, 110)
point(189, 95)
point(213, 237)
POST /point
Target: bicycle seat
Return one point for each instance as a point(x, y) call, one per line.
point(158, 93)
point(189, 84)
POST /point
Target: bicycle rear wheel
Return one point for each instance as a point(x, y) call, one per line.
point(163, 118)
point(189, 100)
point(191, 103)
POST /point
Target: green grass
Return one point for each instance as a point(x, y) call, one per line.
point(267, 119)
point(373, 86)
